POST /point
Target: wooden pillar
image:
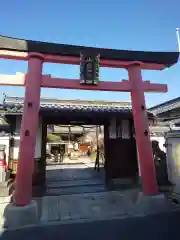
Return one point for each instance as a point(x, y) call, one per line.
point(97, 136)
point(147, 166)
point(29, 123)
point(43, 152)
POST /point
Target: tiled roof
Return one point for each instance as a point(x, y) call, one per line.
point(172, 122)
point(166, 106)
point(15, 105)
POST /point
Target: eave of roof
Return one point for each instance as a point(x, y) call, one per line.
point(18, 108)
point(166, 106)
point(47, 101)
point(15, 44)
point(14, 105)
point(175, 121)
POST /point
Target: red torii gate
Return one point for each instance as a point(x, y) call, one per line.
point(36, 53)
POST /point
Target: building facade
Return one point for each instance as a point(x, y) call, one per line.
point(116, 117)
point(167, 113)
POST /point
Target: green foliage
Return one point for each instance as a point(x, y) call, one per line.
point(53, 138)
point(93, 155)
point(3, 121)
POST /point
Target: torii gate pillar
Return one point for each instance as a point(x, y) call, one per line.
point(30, 118)
point(144, 145)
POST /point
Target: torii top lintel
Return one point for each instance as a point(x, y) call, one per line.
point(14, 48)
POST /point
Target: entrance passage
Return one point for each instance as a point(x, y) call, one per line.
point(75, 160)
point(90, 158)
point(73, 178)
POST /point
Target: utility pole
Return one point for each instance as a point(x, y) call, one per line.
point(178, 39)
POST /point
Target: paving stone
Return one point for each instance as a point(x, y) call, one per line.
point(80, 194)
point(71, 183)
point(74, 190)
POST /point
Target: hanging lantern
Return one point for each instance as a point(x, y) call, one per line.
point(89, 69)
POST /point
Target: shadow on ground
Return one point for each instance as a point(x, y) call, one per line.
point(77, 191)
point(73, 179)
point(161, 226)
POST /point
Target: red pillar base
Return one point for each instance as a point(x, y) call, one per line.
point(21, 216)
point(146, 161)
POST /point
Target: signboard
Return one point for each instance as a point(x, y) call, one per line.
point(89, 69)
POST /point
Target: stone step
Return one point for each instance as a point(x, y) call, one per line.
point(57, 178)
point(74, 190)
point(62, 184)
point(64, 163)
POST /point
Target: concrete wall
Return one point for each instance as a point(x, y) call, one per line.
point(4, 140)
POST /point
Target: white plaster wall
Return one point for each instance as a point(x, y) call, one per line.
point(173, 159)
point(5, 141)
point(38, 136)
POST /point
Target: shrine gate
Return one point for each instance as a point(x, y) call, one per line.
point(89, 59)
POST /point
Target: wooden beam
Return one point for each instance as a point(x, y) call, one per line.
point(49, 82)
point(15, 55)
point(155, 87)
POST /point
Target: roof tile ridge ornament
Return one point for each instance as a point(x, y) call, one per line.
point(13, 100)
point(4, 98)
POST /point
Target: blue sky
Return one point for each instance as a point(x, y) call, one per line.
point(120, 24)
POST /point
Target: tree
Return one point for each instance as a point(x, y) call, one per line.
point(53, 138)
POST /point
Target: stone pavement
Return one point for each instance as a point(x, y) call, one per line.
point(4, 201)
point(89, 162)
point(66, 161)
point(158, 226)
point(99, 206)
point(77, 192)
point(73, 178)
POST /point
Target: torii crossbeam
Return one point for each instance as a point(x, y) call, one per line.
point(48, 81)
